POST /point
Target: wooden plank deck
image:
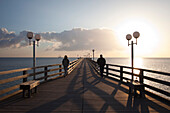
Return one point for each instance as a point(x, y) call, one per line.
point(83, 91)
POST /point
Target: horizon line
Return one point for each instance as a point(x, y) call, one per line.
point(84, 57)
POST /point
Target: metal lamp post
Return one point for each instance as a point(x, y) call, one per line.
point(37, 38)
point(129, 37)
point(93, 53)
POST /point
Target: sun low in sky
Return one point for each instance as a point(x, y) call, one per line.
point(148, 40)
point(76, 27)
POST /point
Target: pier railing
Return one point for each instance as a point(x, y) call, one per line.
point(155, 82)
point(10, 86)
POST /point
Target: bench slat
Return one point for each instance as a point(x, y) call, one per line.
point(28, 86)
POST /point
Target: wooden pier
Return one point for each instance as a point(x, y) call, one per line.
point(83, 91)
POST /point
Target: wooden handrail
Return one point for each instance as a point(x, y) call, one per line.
point(152, 71)
point(25, 74)
point(142, 77)
point(26, 69)
point(14, 71)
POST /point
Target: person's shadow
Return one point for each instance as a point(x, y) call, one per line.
point(134, 104)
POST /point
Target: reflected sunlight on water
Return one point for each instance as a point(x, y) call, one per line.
point(138, 62)
point(157, 64)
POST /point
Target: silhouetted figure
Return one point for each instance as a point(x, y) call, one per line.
point(65, 63)
point(101, 62)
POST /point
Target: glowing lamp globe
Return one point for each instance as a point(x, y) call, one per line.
point(136, 34)
point(30, 35)
point(128, 37)
point(37, 37)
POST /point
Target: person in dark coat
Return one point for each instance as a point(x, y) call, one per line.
point(101, 62)
point(65, 63)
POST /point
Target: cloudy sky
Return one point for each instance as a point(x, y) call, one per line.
point(75, 27)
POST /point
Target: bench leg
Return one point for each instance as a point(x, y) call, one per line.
point(135, 92)
point(33, 90)
point(23, 93)
point(36, 89)
point(29, 93)
point(142, 93)
point(130, 90)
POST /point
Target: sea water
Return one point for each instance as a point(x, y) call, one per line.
point(18, 63)
point(157, 64)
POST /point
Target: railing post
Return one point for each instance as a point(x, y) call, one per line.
point(96, 66)
point(70, 65)
point(141, 76)
point(107, 69)
point(60, 70)
point(24, 79)
point(121, 73)
point(142, 93)
point(45, 73)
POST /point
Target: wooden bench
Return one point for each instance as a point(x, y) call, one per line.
point(29, 86)
point(134, 86)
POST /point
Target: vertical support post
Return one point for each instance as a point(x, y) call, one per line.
point(132, 58)
point(142, 90)
point(107, 69)
point(121, 73)
point(34, 59)
point(60, 70)
point(45, 73)
point(93, 54)
point(70, 65)
point(141, 76)
point(24, 79)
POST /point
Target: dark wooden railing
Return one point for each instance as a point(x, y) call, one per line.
point(44, 71)
point(123, 73)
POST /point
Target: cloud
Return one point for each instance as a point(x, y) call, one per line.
point(82, 39)
point(10, 39)
point(72, 40)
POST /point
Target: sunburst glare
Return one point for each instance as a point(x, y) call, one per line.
point(149, 37)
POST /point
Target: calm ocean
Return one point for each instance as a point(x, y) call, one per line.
point(17, 63)
point(158, 64)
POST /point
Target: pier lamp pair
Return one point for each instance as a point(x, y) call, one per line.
point(36, 38)
point(93, 53)
point(129, 37)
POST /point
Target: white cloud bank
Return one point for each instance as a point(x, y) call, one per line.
point(10, 39)
point(73, 40)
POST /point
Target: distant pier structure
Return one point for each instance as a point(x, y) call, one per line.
point(83, 90)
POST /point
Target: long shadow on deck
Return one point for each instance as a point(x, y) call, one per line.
point(74, 95)
point(77, 96)
point(108, 98)
point(89, 80)
point(134, 104)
